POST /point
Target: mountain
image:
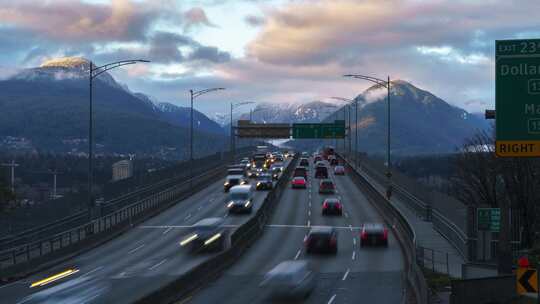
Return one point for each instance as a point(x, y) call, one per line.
point(420, 121)
point(48, 106)
point(313, 111)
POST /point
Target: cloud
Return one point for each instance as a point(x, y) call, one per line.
point(196, 17)
point(209, 53)
point(254, 20)
point(77, 21)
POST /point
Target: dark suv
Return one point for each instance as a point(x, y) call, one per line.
point(326, 186)
point(206, 235)
point(321, 239)
point(321, 172)
point(304, 162)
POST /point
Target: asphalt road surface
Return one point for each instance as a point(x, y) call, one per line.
point(134, 264)
point(354, 275)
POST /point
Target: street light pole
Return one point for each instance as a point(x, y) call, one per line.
point(193, 95)
point(93, 73)
point(350, 101)
point(386, 84)
point(233, 135)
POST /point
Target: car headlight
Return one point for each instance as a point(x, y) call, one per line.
point(226, 184)
point(259, 183)
point(189, 239)
point(247, 204)
point(230, 204)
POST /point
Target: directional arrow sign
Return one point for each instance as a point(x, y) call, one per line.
point(527, 280)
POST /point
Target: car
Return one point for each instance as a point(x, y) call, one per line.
point(332, 206)
point(233, 180)
point(305, 154)
point(321, 172)
point(206, 235)
point(246, 163)
point(326, 186)
point(300, 171)
point(237, 170)
point(252, 173)
point(317, 158)
point(278, 158)
point(321, 239)
point(304, 162)
point(289, 280)
point(264, 182)
point(333, 161)
point(339, 170)
point(373, 234)
point(298, 182)
point(241, 199)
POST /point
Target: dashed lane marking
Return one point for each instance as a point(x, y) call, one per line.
point(297, 254)
point(354, 255)
point(92, 271)
point(346, 274)
point(167, 230)
point(158, 264)
point(135, 249)
point(308, 223)
point(332, 299)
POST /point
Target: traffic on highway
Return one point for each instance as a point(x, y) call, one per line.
point(315, 247)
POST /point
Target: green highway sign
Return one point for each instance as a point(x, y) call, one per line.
point(488, 219)
point(319, 130)
point(517, 97)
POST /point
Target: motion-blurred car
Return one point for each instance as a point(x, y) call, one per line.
point(373, 234)
point(321, 172)
point(206, 235)
point(241, 199)
point(264, 182)
point(321, 239)
point(233, 180)
point(326, 186)
point(304, 162)
point(339, 170)
point(298, 182)
point(289, 280)
point(332, 206)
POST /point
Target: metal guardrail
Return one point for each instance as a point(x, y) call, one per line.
point(25, 258)
point(416, 283)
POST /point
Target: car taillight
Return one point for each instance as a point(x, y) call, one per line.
point(306, 240)
point(333, 241)
point(325, 205)
point(363, 235)
point(385, 234)
point(338, 206)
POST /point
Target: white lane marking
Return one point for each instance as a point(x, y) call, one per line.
point(158, 264)
point(187, 217)
point(167, 230)
point(354, 255)
point(135, 249)
point(92, 271)
point(309, 212)
point(225, 215)
point(16, 282)
point(350, 226)
point(331, 299)
point(354, 241)
point(346, 214)
point(297, 254)
point(346, 274)
point(308, 223)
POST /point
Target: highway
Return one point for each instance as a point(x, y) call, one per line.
point(355, 275)
point(134, 264)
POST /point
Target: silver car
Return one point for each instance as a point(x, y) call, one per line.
point(289, 280)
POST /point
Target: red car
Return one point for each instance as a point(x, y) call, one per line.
point(332, 206)
point(298, 182)
point(374, 234)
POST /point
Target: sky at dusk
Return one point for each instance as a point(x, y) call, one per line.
point(275, 50)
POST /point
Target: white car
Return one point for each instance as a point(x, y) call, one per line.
point(339, 170)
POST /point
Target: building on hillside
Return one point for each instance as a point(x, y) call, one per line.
point(122, 169)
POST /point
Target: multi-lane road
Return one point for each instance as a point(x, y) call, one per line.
point(354, 275)
point(149, 256)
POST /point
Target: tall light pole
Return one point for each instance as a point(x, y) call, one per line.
point(350, 102)
point(193, 95)
point(233, 136)
point(93, 73)
point(12, 165)
point(385, 84)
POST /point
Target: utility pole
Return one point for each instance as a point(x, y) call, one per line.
point(54, 173)
point(12, 165)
